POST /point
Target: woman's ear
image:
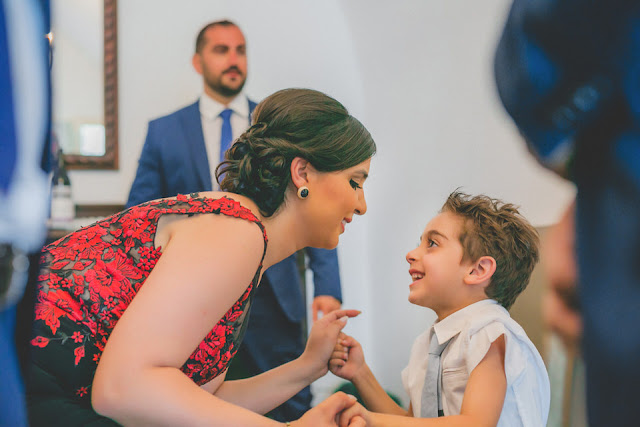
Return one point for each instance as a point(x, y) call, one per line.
point(300, 169)
point(481, 271)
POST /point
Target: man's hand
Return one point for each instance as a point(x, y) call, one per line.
point(324, 303)
point(561, 307)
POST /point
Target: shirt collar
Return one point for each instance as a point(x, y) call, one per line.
point(451, 325)
point(210, 108)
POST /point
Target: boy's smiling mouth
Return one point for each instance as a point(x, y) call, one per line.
point(416, 275)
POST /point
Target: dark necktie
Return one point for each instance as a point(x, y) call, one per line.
point(430, 403)
point(225, 133)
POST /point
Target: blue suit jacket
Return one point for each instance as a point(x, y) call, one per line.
point(174, 161)
point(567, 73)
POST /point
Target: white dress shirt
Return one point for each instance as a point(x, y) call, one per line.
point(210, 110)
point(472, 330)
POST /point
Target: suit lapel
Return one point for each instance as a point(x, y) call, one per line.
point(192, 127)
point(252, 106)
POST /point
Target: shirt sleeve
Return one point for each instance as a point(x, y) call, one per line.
point(480, 341)
point(405, 376)
point(525, 372)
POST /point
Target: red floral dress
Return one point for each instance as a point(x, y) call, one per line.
point(88, 279)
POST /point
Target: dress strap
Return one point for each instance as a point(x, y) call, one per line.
point(194, 203)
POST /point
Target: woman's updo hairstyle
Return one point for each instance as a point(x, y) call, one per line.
point(292, 123)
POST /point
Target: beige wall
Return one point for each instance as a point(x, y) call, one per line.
point(527, 310)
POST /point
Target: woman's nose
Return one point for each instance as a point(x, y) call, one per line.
point(361, 208)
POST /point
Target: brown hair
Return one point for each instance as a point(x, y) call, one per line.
point(492, 227)
point(292, 123)
point(201, 39)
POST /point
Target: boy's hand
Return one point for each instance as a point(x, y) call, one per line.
point(347, 359)
point(355, 415)
point(322, 339)
point(327, 413)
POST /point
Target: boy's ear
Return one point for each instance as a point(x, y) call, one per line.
point(300, 169)
point(481, 271)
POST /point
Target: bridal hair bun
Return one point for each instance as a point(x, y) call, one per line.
point(292, 123)
point(254, 167)
point(257, 129)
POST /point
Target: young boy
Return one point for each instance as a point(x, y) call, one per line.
point(474, 259)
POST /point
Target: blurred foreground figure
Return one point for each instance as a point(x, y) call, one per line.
point(568, 73)
point(24, 119)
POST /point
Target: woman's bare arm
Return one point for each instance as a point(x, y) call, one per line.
point(265, 392)
point(205, 267)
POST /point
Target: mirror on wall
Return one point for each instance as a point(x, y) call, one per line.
point(84, 82)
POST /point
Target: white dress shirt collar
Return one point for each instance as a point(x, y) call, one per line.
point(453, 324)
point(211, 109)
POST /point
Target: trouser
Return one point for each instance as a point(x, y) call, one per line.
point(17, 274)
point(608, 249)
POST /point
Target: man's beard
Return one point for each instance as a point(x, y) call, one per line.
point(217, 86)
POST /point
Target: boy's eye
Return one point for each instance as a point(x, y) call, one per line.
point(354, 184)
point(431, 243)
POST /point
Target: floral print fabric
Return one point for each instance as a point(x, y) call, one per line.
point(89, 277)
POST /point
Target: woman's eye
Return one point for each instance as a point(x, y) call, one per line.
point(354, 184)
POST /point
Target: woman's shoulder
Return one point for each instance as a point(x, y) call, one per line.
point(213, 242)
point(236, 200)
point(212, 219)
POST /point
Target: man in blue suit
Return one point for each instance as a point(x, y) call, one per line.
point(568, 72)
point(180, 155)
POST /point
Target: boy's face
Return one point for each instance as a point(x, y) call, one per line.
point(436, 268)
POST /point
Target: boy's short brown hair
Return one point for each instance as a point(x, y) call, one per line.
point(494, 228)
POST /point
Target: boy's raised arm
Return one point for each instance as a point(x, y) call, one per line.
point(348, 362)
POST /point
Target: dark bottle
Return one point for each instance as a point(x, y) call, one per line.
point(62, 207)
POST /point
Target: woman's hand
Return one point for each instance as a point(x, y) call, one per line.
point(347, 358)
point(322, 340)
point(328, 412)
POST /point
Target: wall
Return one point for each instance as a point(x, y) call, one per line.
point(417, 73)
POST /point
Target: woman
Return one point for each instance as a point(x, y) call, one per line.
point(157, 354)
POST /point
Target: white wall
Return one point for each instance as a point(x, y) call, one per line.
point(417, 73)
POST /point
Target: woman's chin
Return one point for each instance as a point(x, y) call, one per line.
point(331, 243)
point(335, 242)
